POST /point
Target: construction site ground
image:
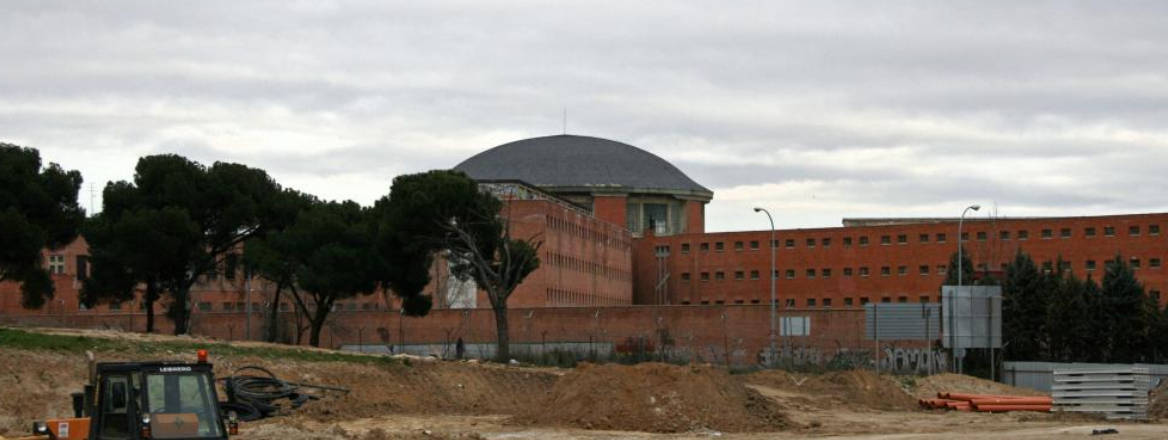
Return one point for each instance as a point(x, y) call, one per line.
point(409, 397)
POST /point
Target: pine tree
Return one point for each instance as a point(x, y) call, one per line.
point(1125, 309)
point(1024, 310)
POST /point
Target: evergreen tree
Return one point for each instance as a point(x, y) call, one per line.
point(1069, 319)
point(1125, 309)
point(1024, 310)
point(966, 269)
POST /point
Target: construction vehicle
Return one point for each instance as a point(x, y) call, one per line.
point(143, 400)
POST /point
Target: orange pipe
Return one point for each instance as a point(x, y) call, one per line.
point(997, 408)
point(1014, 401)
point(957, 405)
point(964, 396)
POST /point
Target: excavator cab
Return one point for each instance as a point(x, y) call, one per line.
point(144, 400)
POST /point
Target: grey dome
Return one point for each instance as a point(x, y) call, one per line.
point(581, 162)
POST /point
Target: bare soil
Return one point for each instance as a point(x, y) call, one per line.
point(429, 399)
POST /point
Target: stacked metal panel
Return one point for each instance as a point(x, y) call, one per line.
point(1118, 393)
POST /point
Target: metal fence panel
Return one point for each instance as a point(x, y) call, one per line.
point(972, 316)
point(902, 322)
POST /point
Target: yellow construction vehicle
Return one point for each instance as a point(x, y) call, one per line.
point(143, 400)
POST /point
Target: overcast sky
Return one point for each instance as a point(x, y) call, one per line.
point(817, 110)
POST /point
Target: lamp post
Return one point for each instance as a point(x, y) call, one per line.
point(960, 272)
point(773, 245)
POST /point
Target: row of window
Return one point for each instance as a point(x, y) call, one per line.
point(851, 302)
point(558, 224)
point(1021, 234)
point(571, 297)
point(577, 264)
point(790, 274)
point(923, 270)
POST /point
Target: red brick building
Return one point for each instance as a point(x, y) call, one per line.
point(623, 228)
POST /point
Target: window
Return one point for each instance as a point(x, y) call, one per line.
point(1047, 266)
point(754, 245)
point(810, 302)
point(924, 269)
point(1023, 234)
point(718, 246)
point(902, 299)
point(1135, 262)
point(864, 271)
point(775, 274)
point(1047, 233)
point(790, 243)
point(738, 245)
point(1065, 232)
point(228, 306)
point(82, 267)
point(1090, 265)
point(1109, 231)
point(810, 242)
point(902, 270)
point(863, 240)
point(1155, 294)
point(795, 325)
point(704, 247)
point(827, 302)
point(705, 276)
point(719, 275)
point(885, 270)
point(902, 239)
point(685, 248)
point(940, 238)
point(1153, 229)
point(847, 241)
point(885, 239)
point(964, 236)
point(848, 301)
point(720, 301)
point(1064, 266)
point(825, 272)
point(1004, 235)
point(924, 238)
point(924, 299)
point(685, 276)
point(739, 275)
point(790, 302)
point(56, 264)
point(810, 274)
point(790, 274)
point(847, 271)
point(826, 242)
point(863, 300)
point(981, 236)
point(886, 299)
point(941, 269)
point(754, 274)
point(1089, 232)
point(1133, 230)
point(754, 301)
point(1153, 262)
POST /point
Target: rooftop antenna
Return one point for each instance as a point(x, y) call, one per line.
point(565, 120)
point(92, 209)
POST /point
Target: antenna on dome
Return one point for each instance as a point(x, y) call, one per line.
point(565, 120)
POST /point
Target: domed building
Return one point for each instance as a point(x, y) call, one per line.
point(616, 182)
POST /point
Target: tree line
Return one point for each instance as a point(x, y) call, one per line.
point(1051, 314)
point(178, 220)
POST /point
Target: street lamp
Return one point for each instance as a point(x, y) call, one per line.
point(772, 276)
point(960, 271)
point(959, 222)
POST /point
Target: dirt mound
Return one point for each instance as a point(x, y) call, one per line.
point(1158, 402)
point(36, 386)
point(853, 388)
point(653, 397)
point(928, 387)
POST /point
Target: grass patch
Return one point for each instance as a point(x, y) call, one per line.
point(25, 340)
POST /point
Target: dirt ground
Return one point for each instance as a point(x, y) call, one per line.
point(427, 399)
